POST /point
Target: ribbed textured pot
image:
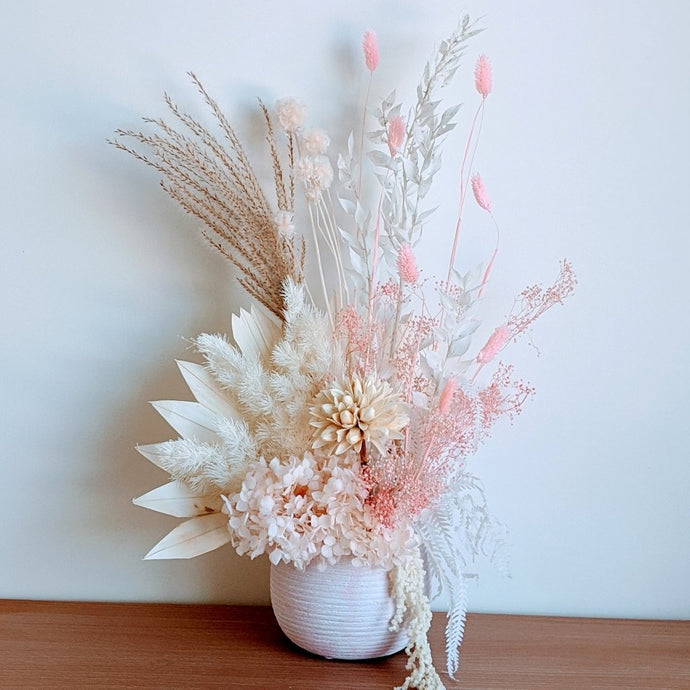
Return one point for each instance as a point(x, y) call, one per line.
point(341, 612)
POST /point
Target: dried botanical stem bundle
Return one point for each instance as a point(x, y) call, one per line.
point(339, 420)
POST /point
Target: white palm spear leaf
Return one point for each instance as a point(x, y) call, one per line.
point(197, 423)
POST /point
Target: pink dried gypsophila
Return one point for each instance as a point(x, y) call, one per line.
point(396, 134)
point(482, 76)
point(371, 50)
point(397, 493)
point(503, 396)
point(389, 290)
point(406, 355)
point(406, 264)
point(534, 300)
point(410, 479)
point(479, 191)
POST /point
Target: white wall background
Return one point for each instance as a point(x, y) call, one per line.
point(585, 150)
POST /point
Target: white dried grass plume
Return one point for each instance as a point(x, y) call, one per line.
point(207, 467)
point(357, 411)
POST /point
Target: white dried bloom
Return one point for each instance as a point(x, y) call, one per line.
point(356, 411)
point(285, 224)
point(291, 114)
point(316, 142)
point(323, 172)
point(304, 169)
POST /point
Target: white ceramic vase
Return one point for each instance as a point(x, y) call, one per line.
point(340, 612)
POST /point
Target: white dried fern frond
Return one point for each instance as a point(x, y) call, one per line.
point(453, 534)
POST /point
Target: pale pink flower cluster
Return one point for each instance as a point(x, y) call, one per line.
point(312, 509)
point(316, 142)
point(291, 114)
point(316, 172)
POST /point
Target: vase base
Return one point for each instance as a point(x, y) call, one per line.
point(340, 612)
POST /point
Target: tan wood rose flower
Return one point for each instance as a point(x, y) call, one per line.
point(356, 411)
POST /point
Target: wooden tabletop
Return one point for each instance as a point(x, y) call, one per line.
point(117, 645)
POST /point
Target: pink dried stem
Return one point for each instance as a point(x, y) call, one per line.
point(374, 252)
point(485, 277)
point(478, 117)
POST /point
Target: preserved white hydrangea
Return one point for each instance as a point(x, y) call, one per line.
point(312, 509)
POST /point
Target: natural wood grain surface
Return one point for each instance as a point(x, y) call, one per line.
point(73, 645)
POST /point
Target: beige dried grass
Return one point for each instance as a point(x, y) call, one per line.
point(213, 181)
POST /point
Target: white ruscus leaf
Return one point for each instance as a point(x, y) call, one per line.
point(190, 419)
point(180, 500)
point(206, 390)
point(193, 538)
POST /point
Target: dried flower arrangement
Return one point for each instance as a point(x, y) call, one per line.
point(338, 423)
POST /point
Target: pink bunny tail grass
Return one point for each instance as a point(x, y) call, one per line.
point(482, 76)
point(446, 395)
point(479, 191)
point(407, 266)
point(493, 345)
point(371, 50)
point(396, 134)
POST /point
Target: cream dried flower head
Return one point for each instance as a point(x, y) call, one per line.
point(291, 114)
point(356, 411)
